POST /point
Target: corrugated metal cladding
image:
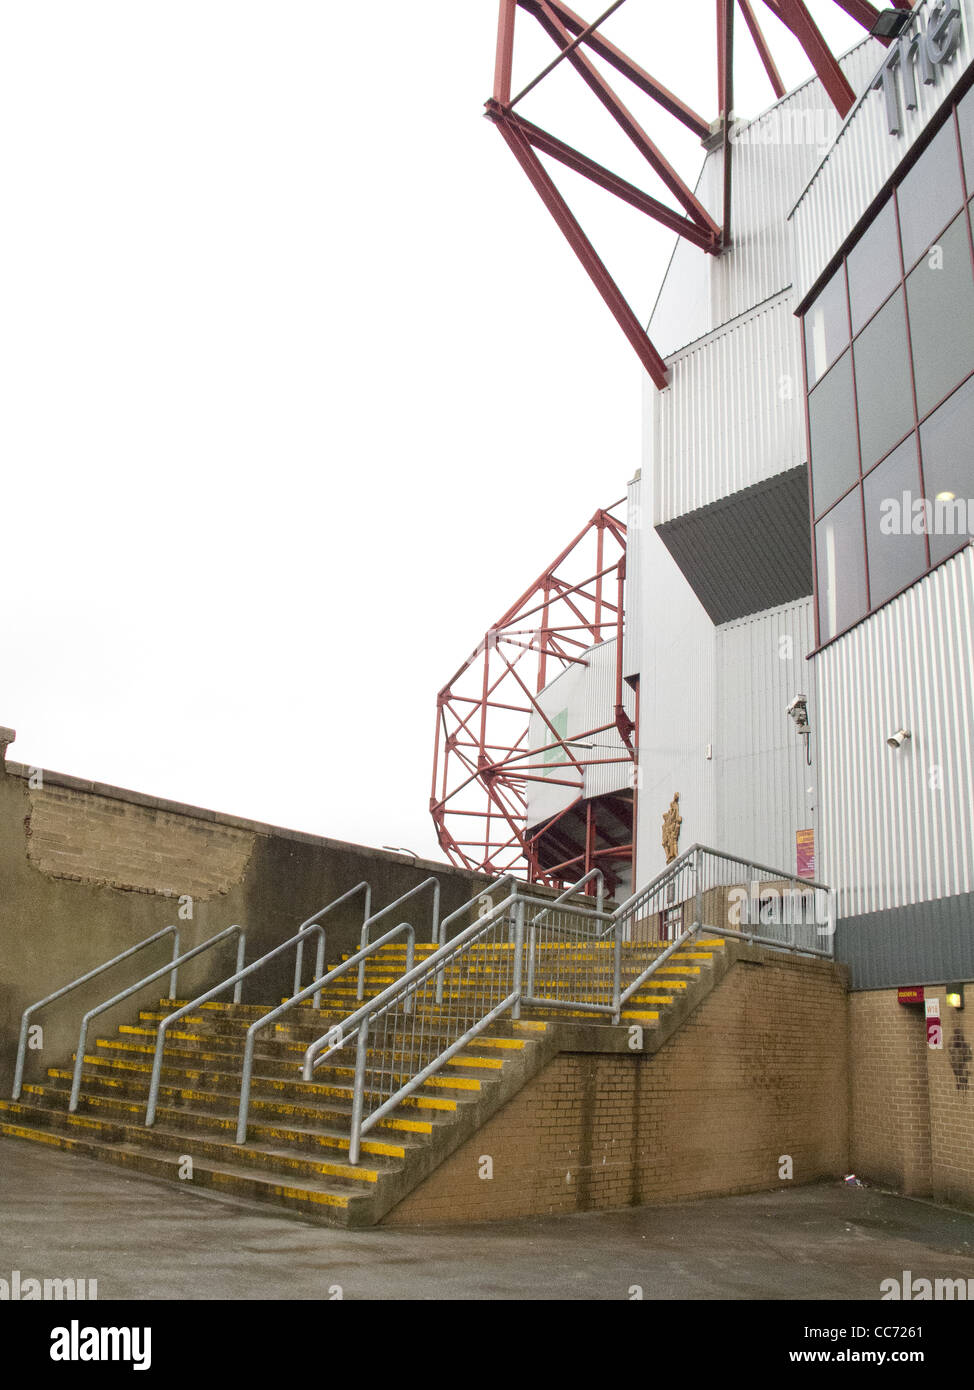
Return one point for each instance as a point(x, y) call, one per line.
point(588, 693)
point(898, 825)
point(633, 597)
point(864, 157)
point(732, 414)
point(748, 552)
point(774, 157)
point(763, 783)
point(926, 944)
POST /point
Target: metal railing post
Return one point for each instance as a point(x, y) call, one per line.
point(617, 973)
point(174, 974)
point(518, 955)
point(82, 980)
point(127, 994)
point(358, 1097)
point(698, 885)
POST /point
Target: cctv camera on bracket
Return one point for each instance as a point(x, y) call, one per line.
point(798, 711)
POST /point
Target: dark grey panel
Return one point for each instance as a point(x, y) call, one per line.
point(747, 552)
point(926, 944)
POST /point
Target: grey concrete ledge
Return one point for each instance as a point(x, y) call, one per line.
point(176, 808)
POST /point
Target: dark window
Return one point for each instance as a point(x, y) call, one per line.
point(947, 441)
point(884, 388)
point(896, 555)
point(841, 567)
point(874, 267)
point(930, 194)
point(891, 418)
point(832, 418)
point(940, 293)
point(827, 327)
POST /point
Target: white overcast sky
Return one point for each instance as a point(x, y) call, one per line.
point(299, 384)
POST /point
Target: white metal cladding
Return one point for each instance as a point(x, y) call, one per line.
point(588, 694)
point(864, 157)
point(764, 786)
point(898, 825)
point(732, 414)
point(633, 587)
point(774, 157)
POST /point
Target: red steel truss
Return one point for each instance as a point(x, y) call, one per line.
point(577, 39)
point(485, 759)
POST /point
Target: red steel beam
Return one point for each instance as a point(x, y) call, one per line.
point(627, 192)
point(504, 62)
point(628, 68)
point(626, 121)
point(764, 52)
point(585, 251)
point(725, 100)
point(794, 14)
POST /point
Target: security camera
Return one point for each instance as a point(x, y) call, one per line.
point(898, 739)
point(798, 711)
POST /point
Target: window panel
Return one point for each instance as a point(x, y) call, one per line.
point(947, 441)
point(874, 267)
point(827, 327)
point(940, 293)
point(896, 555)
point(884, 389)
point(930, 194)
point(841, 567)
point(832, 419)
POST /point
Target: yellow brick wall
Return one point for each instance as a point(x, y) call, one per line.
point(913, 1106)
point(757, 1072)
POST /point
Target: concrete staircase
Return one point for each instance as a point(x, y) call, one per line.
point(296, 1154)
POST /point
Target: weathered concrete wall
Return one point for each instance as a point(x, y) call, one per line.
point(88, 870)
point(913, 1106)
point(758, 1072)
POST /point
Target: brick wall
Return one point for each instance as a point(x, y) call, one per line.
point(758, 1071)
point(95, 839)
point(912, 1106)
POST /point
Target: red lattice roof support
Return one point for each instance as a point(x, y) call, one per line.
point(484, 761)
point(576, 38)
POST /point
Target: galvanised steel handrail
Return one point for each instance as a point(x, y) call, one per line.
point(403, 991)
point(299, 958)
point(83, 979)
point(556, 932)
point(315, 988)
point(385, 1013)
point(433, 883)
point(236, 980)
point(134, 989)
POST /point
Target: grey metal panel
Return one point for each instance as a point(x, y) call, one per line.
point(898, 825)
point(589, 695)
point(748, 552)
point(864, 157)
point(928, 943)
point(774, 157)
point(764, 784)
point(732, 414)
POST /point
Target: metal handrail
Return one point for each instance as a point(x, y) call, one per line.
point(391, 992)
point(324, 1046)
point(570, 893)
point(236, 980)
point(134, 989)
point(433, 883)
point(83, 979)
point(434, 967)
point(299, 958)
point(243, 1110)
